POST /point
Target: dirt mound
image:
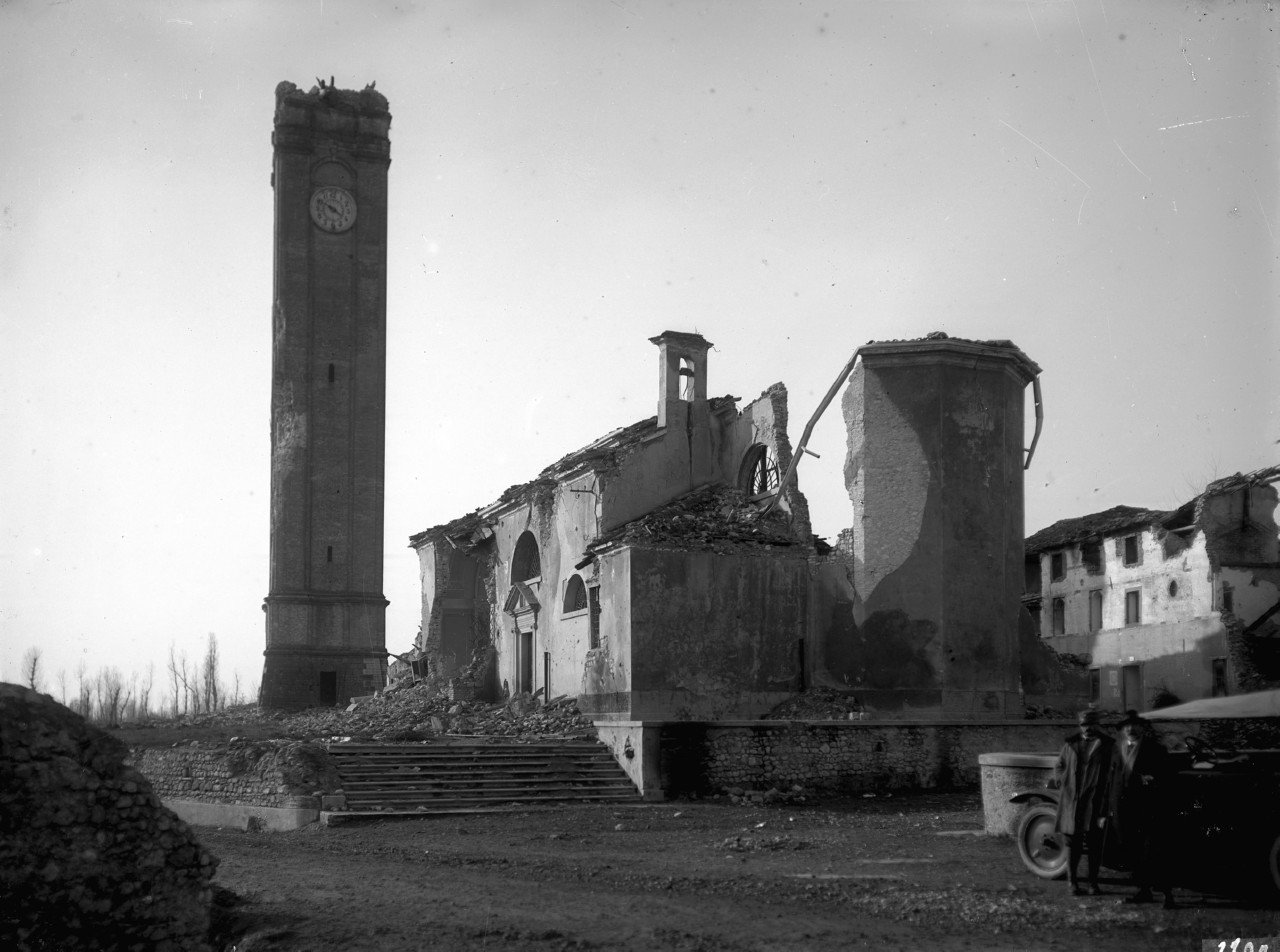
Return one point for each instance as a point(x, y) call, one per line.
point(88, 856)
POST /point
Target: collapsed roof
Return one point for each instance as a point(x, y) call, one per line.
point(601, 454)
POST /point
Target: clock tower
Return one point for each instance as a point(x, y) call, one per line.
point(326, 614)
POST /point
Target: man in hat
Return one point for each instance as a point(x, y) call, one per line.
point(1138, 806)
point(1083, 774)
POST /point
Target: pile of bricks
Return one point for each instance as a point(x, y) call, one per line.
point(88, 856)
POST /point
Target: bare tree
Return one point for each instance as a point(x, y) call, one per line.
point(31, 669)
point(84, 690)
point(62, 685)
point(112, 696)
point(144, 693)
point(236, 697)
point(187, 674)
point(209, 676)
point(174, 681)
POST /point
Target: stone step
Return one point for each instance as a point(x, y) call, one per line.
point(351, 788)
point(407, 803)
point(391, 770)
point(413, 779)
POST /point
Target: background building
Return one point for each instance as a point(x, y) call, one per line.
point(1165, 604)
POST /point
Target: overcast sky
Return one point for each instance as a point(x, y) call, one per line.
point(1096, 181)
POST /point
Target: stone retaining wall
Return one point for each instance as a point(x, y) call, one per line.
point(840, 757)
point(283, 774)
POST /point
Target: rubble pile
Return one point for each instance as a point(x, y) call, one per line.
point(410, 711)
point(89, 858)
point(818, 704)
point(713, 518)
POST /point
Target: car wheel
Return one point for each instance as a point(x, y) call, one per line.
point(1042, 850)
point(1271, 870)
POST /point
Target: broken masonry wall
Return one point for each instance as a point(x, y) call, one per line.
point(763, 421)
point(1253, 659)
point(1244, 545)
point(926, 615)
point(673, 461)
point(1048, 678)
point(606, 671)
point(714, 634)
point(1240, 525)
point(1253, 590)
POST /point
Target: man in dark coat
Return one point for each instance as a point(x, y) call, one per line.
point(1084, 771)
point(1139, 806)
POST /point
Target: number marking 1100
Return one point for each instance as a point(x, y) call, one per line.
point(1239, 944)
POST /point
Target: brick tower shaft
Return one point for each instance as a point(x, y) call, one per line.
point(325, 611)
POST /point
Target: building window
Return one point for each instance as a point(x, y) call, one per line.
point(1095, 610)
point(1032, 578)
point(525, 561)
point(1059, 621)
point(1034, 609)
point(1133, 607)
point(575, 595)
point(1131, 550)
point(1173, 589)
point(758, 474)
point(1057, 567)
point(1228, 599)
point(1091, 556)
point(593, 600)
point(1220, 677)
point(1095, 685)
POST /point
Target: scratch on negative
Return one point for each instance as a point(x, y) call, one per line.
point(1198, 122)
point(1130, 161)
point(1265, 220)
point(1088, 187)
point(1046, 152)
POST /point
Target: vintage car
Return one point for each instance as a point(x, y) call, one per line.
point(1224, 812)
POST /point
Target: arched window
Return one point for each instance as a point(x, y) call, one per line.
point(575, 595)
point(525, 561)
point(758, 474)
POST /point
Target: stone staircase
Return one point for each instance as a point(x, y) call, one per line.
point(454, 777)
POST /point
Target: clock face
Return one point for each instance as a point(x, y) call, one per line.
point(333, 209)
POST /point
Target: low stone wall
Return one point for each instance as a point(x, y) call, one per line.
point(840, 757)
point(273, 774)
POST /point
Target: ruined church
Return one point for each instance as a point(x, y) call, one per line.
point(668, 570)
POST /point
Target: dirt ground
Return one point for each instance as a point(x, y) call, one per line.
point(694, 876)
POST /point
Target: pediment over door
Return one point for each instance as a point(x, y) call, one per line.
point(522, 605)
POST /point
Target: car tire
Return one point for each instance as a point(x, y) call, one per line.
point(1270, 880)
point(1042, 850)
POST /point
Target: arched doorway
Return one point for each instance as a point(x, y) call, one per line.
point(522, 606)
